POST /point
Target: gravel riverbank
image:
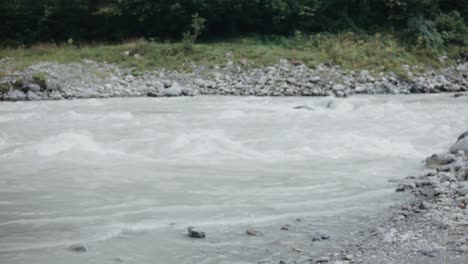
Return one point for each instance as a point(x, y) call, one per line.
point(89, 79)
point(432, 228)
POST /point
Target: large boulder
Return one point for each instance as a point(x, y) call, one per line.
point(174, 90)
point(14, 95)
point(461, 145)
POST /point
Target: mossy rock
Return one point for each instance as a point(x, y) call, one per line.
point(40, 79)
point(4, 87)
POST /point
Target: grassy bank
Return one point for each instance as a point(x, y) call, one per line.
point(376, 52)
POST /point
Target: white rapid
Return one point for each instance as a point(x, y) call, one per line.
point(127, 176)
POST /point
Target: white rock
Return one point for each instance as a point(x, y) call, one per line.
point(461, 145)
point(174, 90)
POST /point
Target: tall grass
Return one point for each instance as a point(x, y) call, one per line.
point(380, 52)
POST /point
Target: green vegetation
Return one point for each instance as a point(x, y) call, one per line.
point(432, 23)
point(144, 34)
point(351, 51)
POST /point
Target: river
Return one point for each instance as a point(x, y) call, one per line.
point(127, 176)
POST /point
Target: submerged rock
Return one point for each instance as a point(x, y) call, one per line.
point(194, 233)
point(320, 237)
point(306, 107)
point(79, 248)
point(252, 232)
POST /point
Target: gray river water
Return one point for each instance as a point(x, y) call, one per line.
point(127, 176)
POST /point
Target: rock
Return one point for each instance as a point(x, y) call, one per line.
point(463, 191)
point(461, 144)
point(406, 186)
point(286, 227)
point(252, 232)
point(29, 86)
point(79, 248)
point(360, 89)
point(194, 233)
point(338, 87)
point(296, 63)
point(320, 237)
point(32, 96)
point(462, 136)
point(14, 95)
point(433, 253)
point(55, 95)
point(174, 90)
point(167, 83)
point(306, 107)
point(323, 260)
point(424, 205)
point(244, 62)
point(314, 79)
point(436, 160)
point(129, 78)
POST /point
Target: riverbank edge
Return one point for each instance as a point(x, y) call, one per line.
point(90, 79)
point(430, 228)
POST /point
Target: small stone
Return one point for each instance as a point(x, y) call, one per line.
point(430, 253)
point(323, 260)
point(348, 257)
point(129, 78)
point(286, 227)
point(314, 79)
point(320, 237)
point(339, 87)
point(252, 232)
point(193, 233)
point(167, 83)
point(306, 107)
point(297, 250)
point(296, 63)
point(424, 205)
point(79, 248)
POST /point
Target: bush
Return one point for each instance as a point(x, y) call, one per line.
point(452, 27)
point(423, 33)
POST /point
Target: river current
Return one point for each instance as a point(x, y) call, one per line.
point(127, 176)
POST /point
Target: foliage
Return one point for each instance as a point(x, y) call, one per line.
point(31, 21)
point(189, 37)
point(452, 28)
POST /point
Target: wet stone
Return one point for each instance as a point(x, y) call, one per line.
point(194, 233)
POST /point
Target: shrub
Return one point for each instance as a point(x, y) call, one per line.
point(189, 37)
point(423, 33)
point(451, 27)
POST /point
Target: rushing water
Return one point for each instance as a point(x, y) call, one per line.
point(127, 176)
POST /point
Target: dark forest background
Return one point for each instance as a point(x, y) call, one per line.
point(436, 22)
